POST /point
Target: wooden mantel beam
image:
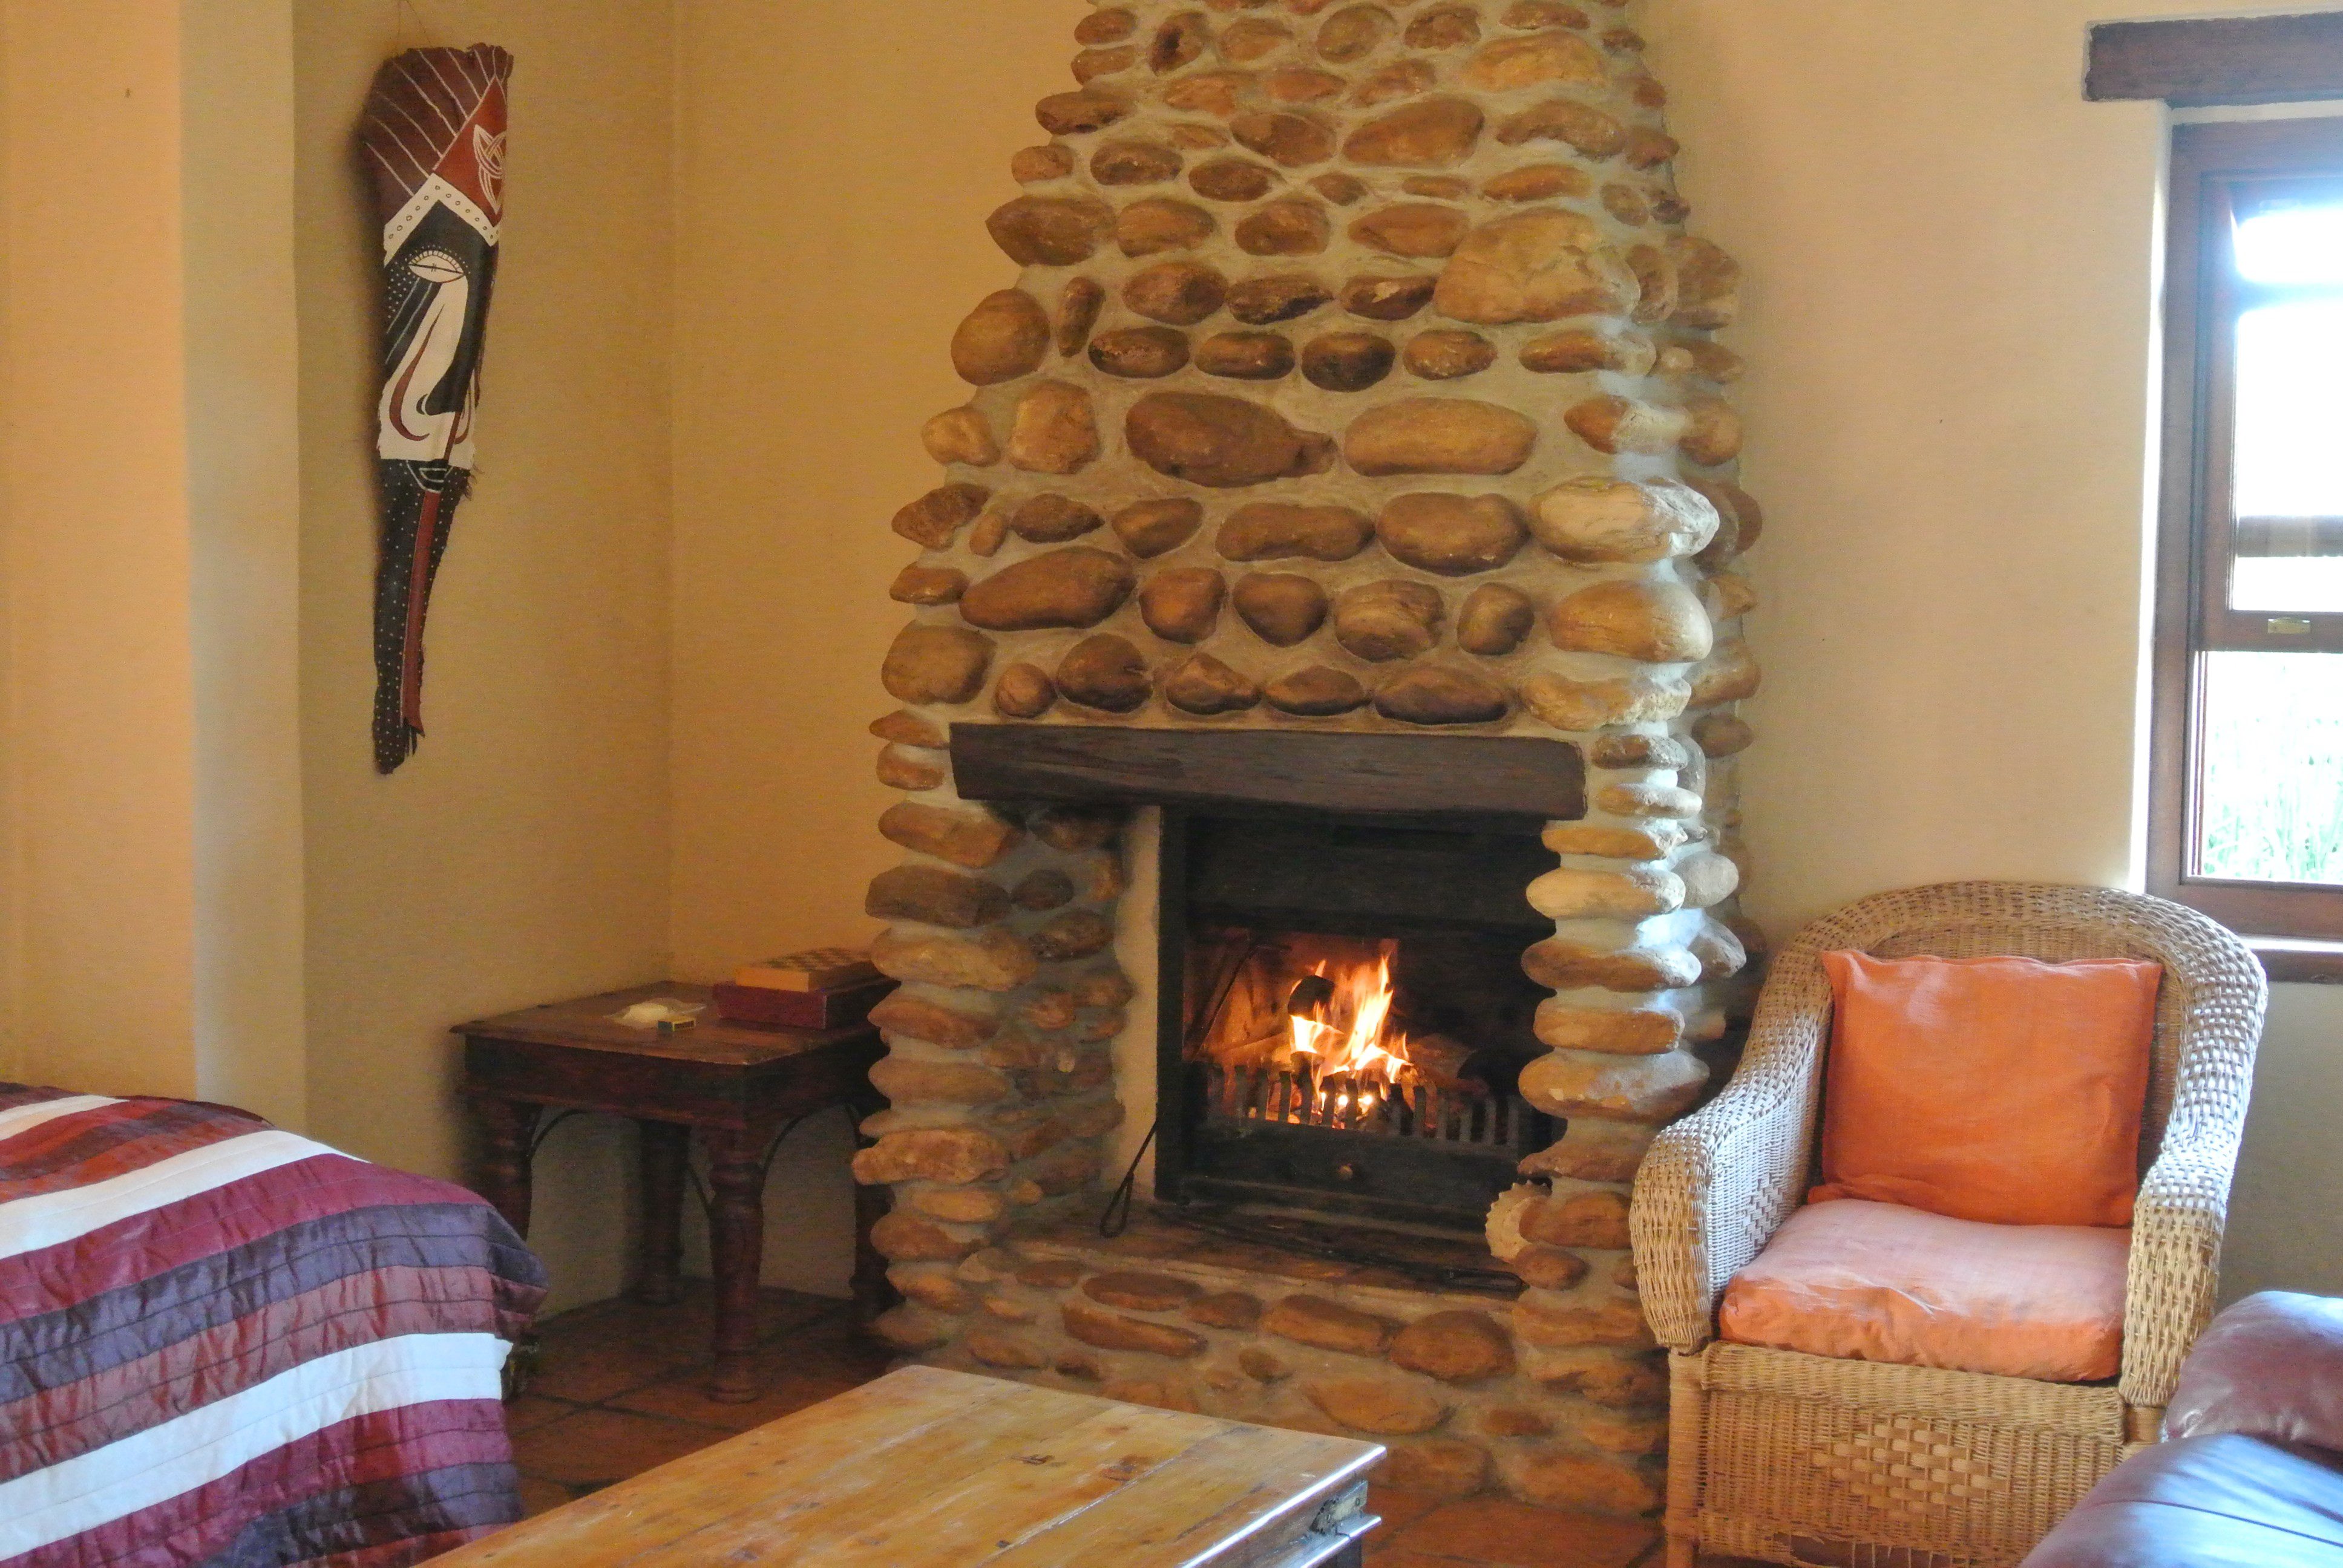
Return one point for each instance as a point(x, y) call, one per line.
point(1413, 775)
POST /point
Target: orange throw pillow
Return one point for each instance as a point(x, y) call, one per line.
point(2005, 1090)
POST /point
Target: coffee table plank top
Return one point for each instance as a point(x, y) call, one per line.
point(932, 1468)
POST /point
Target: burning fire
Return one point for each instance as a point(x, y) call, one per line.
point(1347, 1035)
point(1305, 1028)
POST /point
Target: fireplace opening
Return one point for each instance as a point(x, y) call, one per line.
point(1351, 1017)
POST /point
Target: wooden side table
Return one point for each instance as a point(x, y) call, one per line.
point(735, 1089)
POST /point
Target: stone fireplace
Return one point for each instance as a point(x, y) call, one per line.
point(1349, 481)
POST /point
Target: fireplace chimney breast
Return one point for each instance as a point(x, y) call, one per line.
point(1354, 438)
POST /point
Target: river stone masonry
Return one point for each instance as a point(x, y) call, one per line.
point(1361, 375)
point(1567, 1407)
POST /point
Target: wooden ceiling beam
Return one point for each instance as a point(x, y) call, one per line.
point(2193, 61)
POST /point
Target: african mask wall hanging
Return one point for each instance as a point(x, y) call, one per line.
point(434, 138)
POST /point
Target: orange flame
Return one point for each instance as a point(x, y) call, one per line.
point(1352, 1038)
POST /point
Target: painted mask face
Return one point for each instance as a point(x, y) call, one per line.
point(434, 355)
point(434, 138)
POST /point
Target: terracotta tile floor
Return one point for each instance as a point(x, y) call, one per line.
point(620, 1386)
point(618, 1389)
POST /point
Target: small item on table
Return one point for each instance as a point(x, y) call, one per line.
point(816, 969)
point(664, 1013)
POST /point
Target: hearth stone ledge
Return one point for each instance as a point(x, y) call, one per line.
point(1557, 1397)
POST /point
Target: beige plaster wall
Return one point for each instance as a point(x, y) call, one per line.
point(1952, 282)
point(2282, 1227)
point(153, 889)
point(834, 168)
point(12, 936)
point(100, 868)
point(835, 164)
point(521, 855)
point(1949, 290)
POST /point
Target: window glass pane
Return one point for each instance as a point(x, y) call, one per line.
point(2295, 585)
point(2289, 411)
point(2271, 800)
point(2292, 245)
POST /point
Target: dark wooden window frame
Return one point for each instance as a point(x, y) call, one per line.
point(2209, 162)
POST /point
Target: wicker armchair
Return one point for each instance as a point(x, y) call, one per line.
point(1795, 1458)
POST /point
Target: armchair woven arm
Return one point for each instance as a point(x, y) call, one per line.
point(2184, 1198)
point(1714, 1187)
point(2175, 1256)
point(2217, 994)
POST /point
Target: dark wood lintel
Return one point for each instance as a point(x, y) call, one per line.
point(1487, 775)
point(2218, 59)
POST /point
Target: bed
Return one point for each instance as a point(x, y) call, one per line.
point(224, 1344)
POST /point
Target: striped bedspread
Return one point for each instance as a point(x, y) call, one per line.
point(222, 1344)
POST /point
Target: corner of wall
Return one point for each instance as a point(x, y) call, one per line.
point(12, 877)
point(816, 278)
point(242, 381)
point(521, 856)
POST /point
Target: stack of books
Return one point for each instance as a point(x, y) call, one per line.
point(825, 988)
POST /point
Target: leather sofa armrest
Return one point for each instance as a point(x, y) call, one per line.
point(2270, 1367)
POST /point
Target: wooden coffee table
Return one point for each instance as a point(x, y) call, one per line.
point(933, 1469)
point(735, 1087)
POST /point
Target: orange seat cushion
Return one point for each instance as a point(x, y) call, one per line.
point(1880, 1282)
point(2004, 1090)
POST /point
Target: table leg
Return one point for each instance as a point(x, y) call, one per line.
point(504, 1173)
point(665, 1146)
point(735, 1234)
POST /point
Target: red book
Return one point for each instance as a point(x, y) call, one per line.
point(763, 1007)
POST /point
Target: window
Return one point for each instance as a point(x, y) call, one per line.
point(2247, 804)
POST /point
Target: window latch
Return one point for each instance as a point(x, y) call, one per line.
point(2287, 626)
